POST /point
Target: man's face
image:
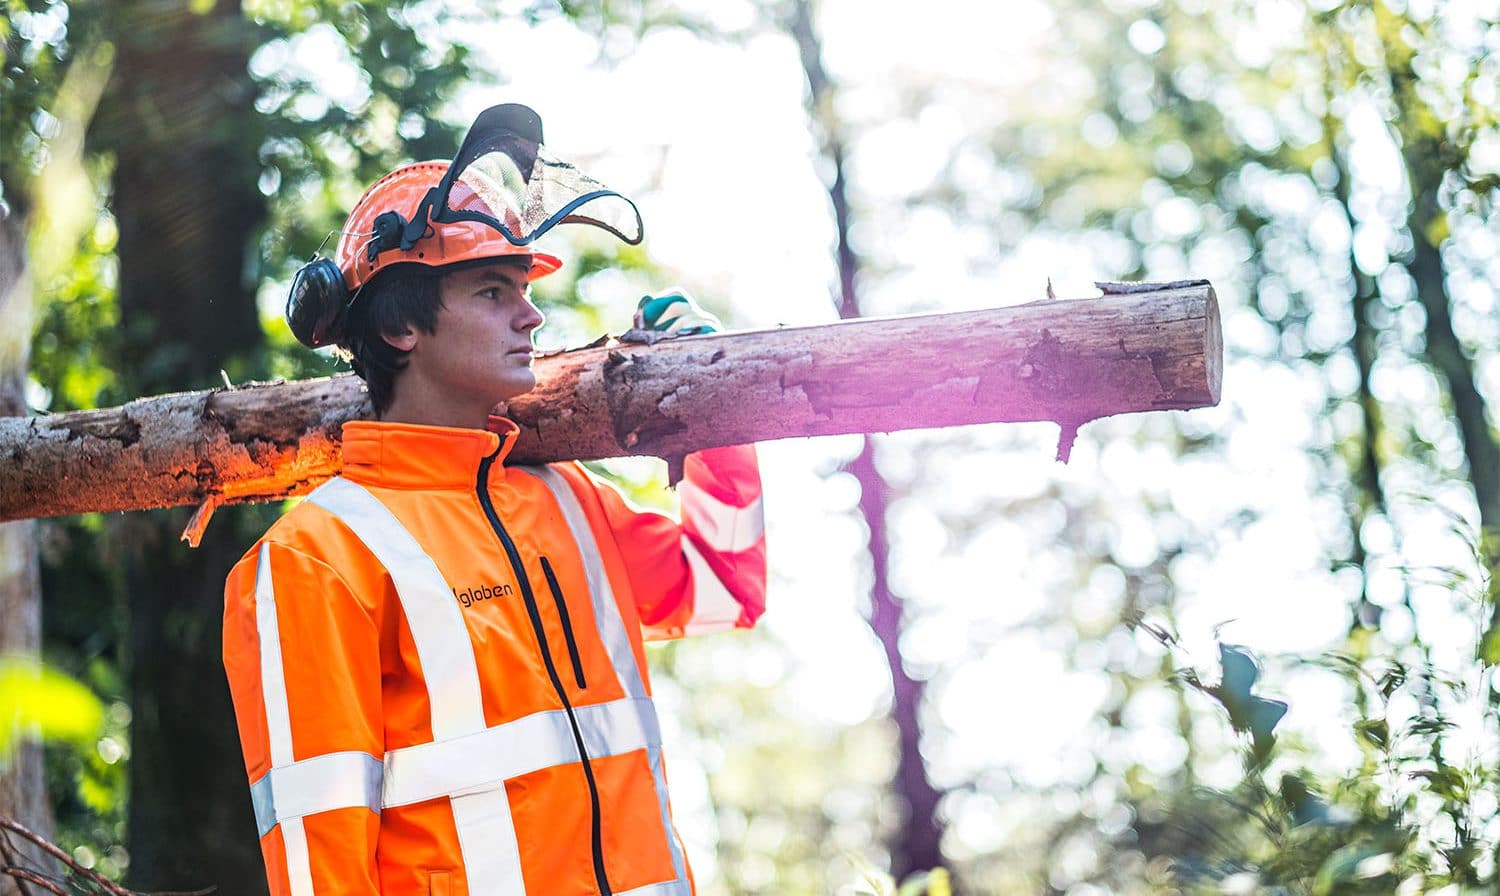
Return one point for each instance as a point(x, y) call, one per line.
point(479, 352)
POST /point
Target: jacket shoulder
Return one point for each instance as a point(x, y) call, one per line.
point(313, 532)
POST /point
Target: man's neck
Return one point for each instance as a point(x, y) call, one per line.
point(435, 414)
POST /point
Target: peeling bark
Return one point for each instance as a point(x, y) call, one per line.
point(1070, 361)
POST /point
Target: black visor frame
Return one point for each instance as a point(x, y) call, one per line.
point(491, 131)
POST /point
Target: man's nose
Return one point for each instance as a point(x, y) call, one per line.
point(530, 317)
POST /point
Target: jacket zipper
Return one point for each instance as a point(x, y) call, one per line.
point(481, 488)
point(562, 612)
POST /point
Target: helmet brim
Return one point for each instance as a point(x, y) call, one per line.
point(543, 264)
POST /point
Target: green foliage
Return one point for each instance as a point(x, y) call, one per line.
point(874, 882)
point(39, 702)
point(1249, 713)
point(70, 354)
point(33, 53)
point(1191, 127)
point(1205, 151)
point(936, 882)
point(1489, 641)
point(1415, 816)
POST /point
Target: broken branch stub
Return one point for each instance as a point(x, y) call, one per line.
point(1068, 361)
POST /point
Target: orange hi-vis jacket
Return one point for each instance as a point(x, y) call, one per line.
point(437, 667)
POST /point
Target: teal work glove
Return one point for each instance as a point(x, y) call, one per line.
point(675, 314)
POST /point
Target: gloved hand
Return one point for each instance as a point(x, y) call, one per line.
point(675, 314)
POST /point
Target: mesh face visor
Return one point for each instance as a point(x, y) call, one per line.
point(514, 186)
point(504, 177)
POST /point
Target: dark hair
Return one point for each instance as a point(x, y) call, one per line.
point(401, 296)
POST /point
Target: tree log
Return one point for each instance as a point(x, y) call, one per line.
point(1066, 361)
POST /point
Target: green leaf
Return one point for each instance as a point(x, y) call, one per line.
point(1345, 865)
point(1374, 732)
point(1240, 671)
point(1248, 713)
point(1306, 808)
point(1489, 645)
point(39, 702)
point(1265, 715)
point(1445, 781)
point(927, 883)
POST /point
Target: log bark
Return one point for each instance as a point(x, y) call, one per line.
point(1066, 361)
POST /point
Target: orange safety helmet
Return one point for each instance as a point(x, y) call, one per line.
point(402, 192)
point(501, 192)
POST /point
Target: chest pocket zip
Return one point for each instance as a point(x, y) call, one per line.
point(567, 624)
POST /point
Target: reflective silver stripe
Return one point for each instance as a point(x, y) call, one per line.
point(449, 668)
point(606, 611)
point(298, 860)
point(724, 527)
point(617, 642)
point(679, 864)
point(278, 716)
point(264, 802)
point(487, 759)
point(677, 887)
point(320, 784)
point(437, 625)
point(272, 674)
point(714, 608)
point(487, 839)
point(610, 729)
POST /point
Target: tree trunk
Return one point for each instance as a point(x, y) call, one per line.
point(1445, 353)
point(1365, 473)
point(180, 121)
point(915, 844)
point(23, 789)
point(1429, 154)
point(1069, 361)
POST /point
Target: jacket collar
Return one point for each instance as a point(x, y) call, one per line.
point(408, 455)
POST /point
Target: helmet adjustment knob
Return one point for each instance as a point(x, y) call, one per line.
point(389, 227)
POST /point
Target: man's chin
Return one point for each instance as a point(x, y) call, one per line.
point(515, 390)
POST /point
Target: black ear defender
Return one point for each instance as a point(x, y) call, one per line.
point(317, 302)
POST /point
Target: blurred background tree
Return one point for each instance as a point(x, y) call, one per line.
point(1334, 165)
point(1039, 702)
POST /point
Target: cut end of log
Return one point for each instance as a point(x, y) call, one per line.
point(1213, 347)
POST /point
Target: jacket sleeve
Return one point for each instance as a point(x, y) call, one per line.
point(706, 573)
point(303, 660)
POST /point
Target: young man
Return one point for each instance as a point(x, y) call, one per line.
point(436, 658)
